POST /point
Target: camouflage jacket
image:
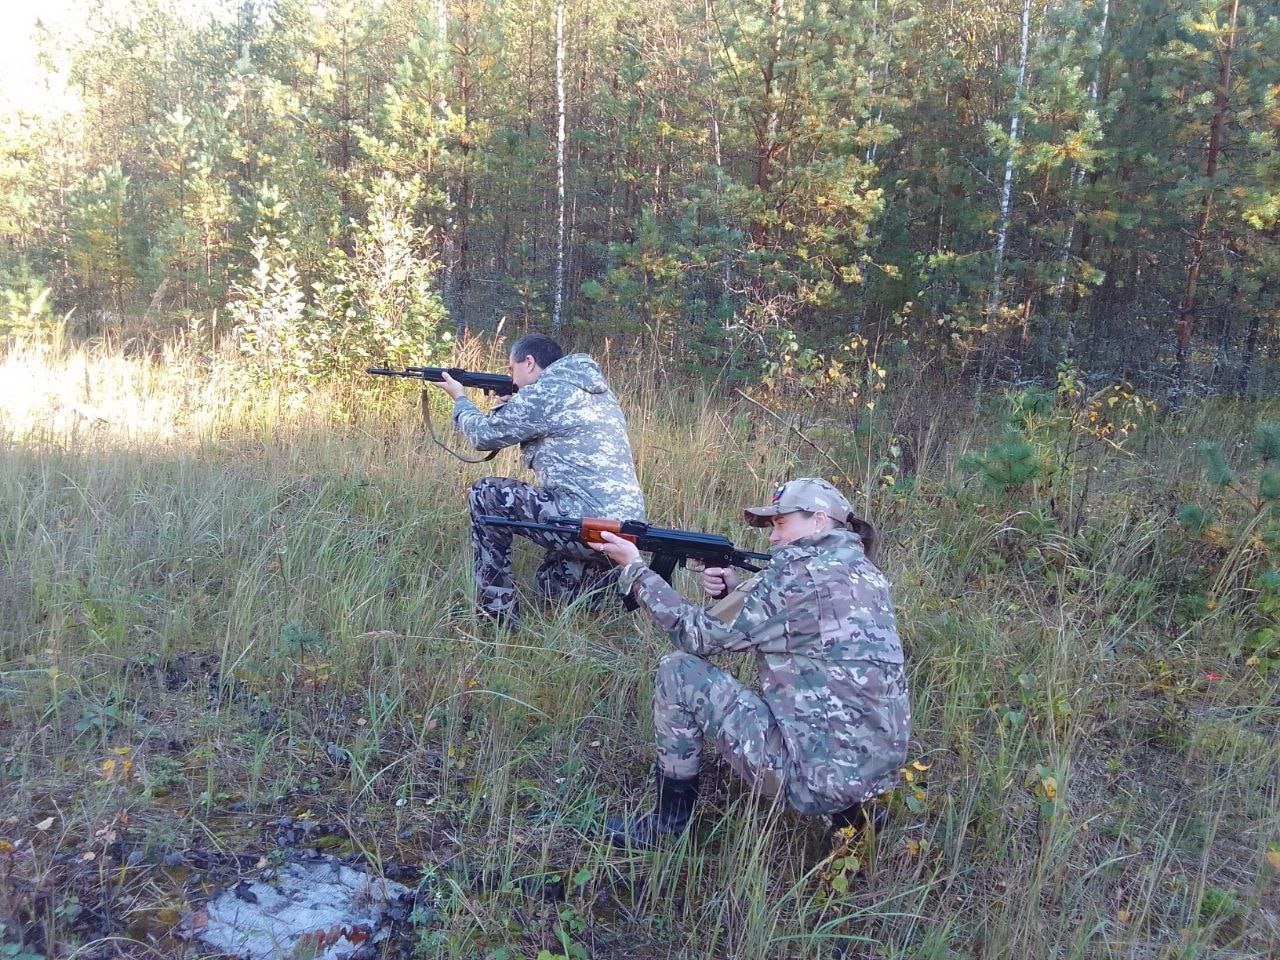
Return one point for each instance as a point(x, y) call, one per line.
point(572, 435)
point(820, 622)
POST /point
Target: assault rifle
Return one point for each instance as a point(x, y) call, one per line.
point(491, 383)
point(670, 548)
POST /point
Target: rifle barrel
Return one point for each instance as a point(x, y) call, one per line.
point(492, 383)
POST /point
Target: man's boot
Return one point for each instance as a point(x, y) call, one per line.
point(497, 606)
point(502, 618)
point(668, 819)
point(856, 818)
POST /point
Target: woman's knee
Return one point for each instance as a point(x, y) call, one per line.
point(676, 665)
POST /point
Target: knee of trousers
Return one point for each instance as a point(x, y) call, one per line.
point(482, 496)
point(676, 671)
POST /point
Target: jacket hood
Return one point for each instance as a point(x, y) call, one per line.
point(838, 543)
point(578, 370)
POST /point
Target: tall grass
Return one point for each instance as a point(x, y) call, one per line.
point(224, 608)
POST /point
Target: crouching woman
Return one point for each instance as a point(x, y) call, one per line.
point(828, 730)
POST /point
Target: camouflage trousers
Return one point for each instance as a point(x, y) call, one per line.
point(569, 569)
point(693, 698)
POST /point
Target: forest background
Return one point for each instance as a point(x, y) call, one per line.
point(1004, 271)
point(1001, 186)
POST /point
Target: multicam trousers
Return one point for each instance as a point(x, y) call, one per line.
point(569, 568)
point(692, 698)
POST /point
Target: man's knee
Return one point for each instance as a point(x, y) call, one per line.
point(485, 495)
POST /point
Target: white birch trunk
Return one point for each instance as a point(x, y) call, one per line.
point(871, 74)
point(557, 313)
point(711, 101)
point(1006, 194)
point(442, 48)
point(780, 13)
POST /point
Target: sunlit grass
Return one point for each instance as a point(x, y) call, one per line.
point(221, 605)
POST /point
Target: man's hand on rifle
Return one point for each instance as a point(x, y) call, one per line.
point(618, 550)
point(450, 386)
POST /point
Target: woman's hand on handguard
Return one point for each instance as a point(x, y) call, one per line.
point(617, 549)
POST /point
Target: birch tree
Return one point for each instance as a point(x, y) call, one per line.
point(557, 312)
point(1006, 192)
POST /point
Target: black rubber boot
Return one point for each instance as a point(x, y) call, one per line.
point(856, 818)
point(669, 818)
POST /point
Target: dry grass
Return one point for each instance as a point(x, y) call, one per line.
point(227, 612)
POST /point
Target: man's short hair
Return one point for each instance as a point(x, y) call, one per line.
point(543, 349)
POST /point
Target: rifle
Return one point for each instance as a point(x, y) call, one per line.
point(670, 548)
point(490, 383)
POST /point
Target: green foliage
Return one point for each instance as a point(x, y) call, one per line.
point(1269, 485)
point(1220, 905)
point(1238, 541)
point(10, 950)
point(271, 318)
point(1039, 524)
point(1031, 404)
point(1262, 648)
point(730, 172)
point(377, 304)
point(1266, 440)
point(25, 311)
point(294, 634)
point(1216, 469)
point(1194, 518)
point(13, 951)
point(381, 304)
point(163, 776)
point(1051, 450)
point(1010, 462)
point(102, 719)
point(101, 257)
point(645, 282)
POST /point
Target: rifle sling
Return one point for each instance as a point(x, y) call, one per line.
point(426, 419)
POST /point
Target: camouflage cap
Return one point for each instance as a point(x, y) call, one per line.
point(812, 494)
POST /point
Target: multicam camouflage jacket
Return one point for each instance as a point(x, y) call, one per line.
point(572, 435)
point(821, 624)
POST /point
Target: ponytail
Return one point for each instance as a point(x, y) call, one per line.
point(866, 533)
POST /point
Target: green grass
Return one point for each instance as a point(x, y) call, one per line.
point(221, 607)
